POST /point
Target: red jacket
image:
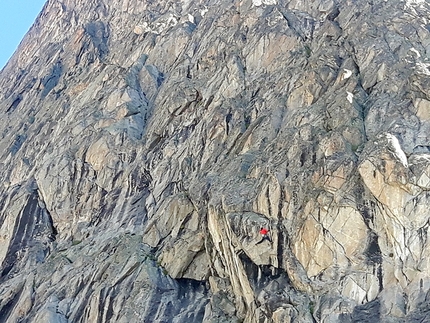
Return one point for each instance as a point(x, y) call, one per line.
point(263, 231)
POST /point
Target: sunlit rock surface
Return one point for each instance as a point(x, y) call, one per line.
point(145, 143)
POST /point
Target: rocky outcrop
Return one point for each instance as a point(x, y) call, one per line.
point(144, 145)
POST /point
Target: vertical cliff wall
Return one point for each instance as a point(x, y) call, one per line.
point(145, 143)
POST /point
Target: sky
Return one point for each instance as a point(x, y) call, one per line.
point(16, 18)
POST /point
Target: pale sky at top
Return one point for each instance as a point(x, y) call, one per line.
point(16, 18)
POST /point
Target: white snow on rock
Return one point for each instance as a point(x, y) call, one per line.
point(349, 96)
point(423, 68)
point(397, 149)
point(416, 52)
point(172, 20)
point(191, 18)
point(409, 3)
point(411, 6)
point(346, 74)
point(258, 3)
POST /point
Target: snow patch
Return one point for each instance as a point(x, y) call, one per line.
point(346, 74)
point(172, 20)
point(420, 66)
point(397, 149)
point(349, 96)
point(416, 52)
point(423, 68)
point(191, 18)
point(412, 5)
point(409, 3)
point(258, 3)
point(164, 24)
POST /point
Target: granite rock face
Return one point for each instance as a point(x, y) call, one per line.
point(144, 144)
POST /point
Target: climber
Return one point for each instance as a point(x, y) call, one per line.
point(264, 235)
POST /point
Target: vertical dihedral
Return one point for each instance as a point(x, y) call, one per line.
point(32, 236)
point(233, 269)
point(158, 137)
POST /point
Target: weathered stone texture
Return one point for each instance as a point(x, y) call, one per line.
point(144, 144)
